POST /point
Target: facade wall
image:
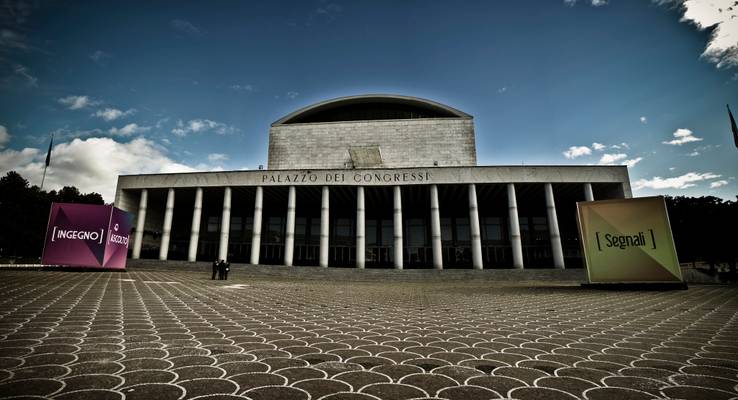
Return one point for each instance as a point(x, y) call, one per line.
point(403, 143)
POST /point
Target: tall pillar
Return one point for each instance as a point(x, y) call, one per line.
point(166, 231)
point(588, 193)
point(225, 225)
point(140, 221)
point(398, 227)
point(436, 228)
point(476, 237)
point(360, 229)
point(517, 246)
point(324, 221)
point(256, 231)
point(195, 230)
point(553, 228)
point(289, 239)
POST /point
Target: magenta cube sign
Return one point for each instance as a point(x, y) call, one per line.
point(87, 235)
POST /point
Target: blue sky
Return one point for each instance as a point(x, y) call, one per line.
point(144, 87)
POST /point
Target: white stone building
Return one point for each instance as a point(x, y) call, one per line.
point(372, 181)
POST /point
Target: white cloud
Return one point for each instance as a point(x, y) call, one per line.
point(77, 102)
point(678, 182)
point(100, 57)
point(292, 95)
point(201, 126)
point(217, 157)
point(502, 89)
point(632, 162)
point(243, 88)
point(682, 136)
point(717, 184)
point(129, 130)
point(610, 159)
point(598, 146)
point(644, 120)
point(672, 168)
point(4, 136)
point(577, 151)
point(111, 114)
point(594, 3)
point(25, 73)
point(622, 145)
point(92, 165)
point(184, 26)
point(694, 153)
point(722, 17)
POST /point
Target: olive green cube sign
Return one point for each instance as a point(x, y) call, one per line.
point(628, 241)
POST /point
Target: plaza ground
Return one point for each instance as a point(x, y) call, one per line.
point(162, 334)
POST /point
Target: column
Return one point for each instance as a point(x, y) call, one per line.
point(360, 229)
point(398, 227)
point(256, 232)
point(517, 246)
point(436, 228)
point(195, 230)
point(324, 221)
point(140, 221)
point(289, 240)
point(553, 228)
point(225, 225)
point(166, 231)
point(476, 237)
point(588, 194)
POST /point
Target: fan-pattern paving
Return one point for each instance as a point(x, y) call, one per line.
point(175, 335)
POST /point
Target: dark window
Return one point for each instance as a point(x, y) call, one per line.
point(274, 230)
point(371, 232)
point(388, 234)
point(300, 229)
point(462, 230)
point(236, 224)
point(492, 228)
point(315, 230)
point(447, 230)
point(213, 224)
point(416, 232)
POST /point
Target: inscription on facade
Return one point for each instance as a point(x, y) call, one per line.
point(349, 177)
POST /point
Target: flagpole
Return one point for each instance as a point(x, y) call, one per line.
point(48, 160)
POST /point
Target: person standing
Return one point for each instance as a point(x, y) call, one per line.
point(221, 269)
point(226, 269)
point(215, 269)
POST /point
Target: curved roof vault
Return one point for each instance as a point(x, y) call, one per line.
point(371, 107)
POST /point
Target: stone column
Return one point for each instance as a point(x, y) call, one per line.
point(140, 221)
point(324, 221)
point(166, 231)
point(588, 193)
point(398, 227)
point(436, 228)
point(256, 231)
point(360, 229)
point(225, 225)
point(476, 237)
point(289, 239)
point(517, 246)
point(553, 228)
point(195, 230)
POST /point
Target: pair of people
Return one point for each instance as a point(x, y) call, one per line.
point(221, 268)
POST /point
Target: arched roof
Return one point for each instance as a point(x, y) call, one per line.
point(371, 107)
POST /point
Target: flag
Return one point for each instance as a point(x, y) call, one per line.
point(733, 127)
point(48, 154)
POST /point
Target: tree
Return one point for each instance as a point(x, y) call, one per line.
point(24, 212)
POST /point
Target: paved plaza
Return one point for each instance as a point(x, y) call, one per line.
point(174, 335)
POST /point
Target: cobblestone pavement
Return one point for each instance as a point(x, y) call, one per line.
point(174, 335)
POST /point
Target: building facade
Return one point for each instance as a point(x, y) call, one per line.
point(372, 181)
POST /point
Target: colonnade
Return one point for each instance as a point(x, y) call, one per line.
point(476, 242)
